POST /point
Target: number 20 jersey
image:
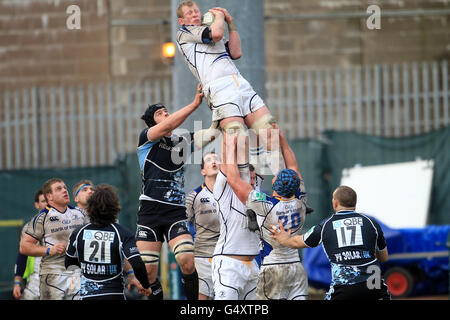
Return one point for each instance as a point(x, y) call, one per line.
point(269, 211)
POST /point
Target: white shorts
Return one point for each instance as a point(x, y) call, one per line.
point(282, 282)
point(231, 96)
point(204, 270)
point(234, 279)
point(31, 291)
point(60, 287)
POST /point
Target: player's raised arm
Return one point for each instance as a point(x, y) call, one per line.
point(218, 26)
point(234, 42)
point(289, 156)
point(240, 187)
point(174, 120)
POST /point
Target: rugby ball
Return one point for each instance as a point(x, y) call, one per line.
point(208, 18)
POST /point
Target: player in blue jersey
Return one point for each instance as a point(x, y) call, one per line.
point(354, 244)
point(100, 248)
point(162, 212)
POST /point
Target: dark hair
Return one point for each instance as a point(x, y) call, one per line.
point(251, 167)
point(149, 113)
point(346, 196)
point(37, 195)
point(103, 206)
point(203, 158)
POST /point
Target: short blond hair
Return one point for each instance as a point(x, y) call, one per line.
point(345, 196)
point(47, 187)
point(184, 4)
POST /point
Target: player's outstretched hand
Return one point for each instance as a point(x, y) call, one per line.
point(217, 13)
point(279, 234)
point(198, 96)
point(226, 14)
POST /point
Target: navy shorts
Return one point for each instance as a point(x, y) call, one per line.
point(156, 221)
point(358, 291)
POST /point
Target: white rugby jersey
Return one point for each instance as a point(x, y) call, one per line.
point(206, 59)
point(269, 210)
point(235, 237)
point(202, 212)
point(50, 227)
point(37, 260)
point(258, 182)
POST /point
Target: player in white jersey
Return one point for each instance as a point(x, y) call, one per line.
point(231, 98)
point(282, 275)
point(28, 267)
point(52, 228)
point(81, 192)
point(235, 271)
point(201, 208)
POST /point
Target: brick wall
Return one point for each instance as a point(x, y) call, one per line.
point(331, 41)
point(136, 49)
point(37, 48)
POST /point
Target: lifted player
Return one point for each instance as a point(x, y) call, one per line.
point(231, 98)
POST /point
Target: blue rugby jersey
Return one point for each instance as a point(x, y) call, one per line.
point(162, 167)
point(100, 252)
point(350, 241)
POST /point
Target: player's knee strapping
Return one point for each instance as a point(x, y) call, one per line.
point(235, 128)
point(150, 257)
point(263, 123)
point(273, 158)
point(183, 246)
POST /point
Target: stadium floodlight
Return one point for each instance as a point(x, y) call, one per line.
point(168, 50)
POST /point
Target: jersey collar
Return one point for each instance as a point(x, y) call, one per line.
point(345, 212)
point(284, 199)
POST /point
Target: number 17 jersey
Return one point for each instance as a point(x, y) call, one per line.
point(350, 240)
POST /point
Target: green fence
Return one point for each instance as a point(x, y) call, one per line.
point(320, 160)
point(17, 190)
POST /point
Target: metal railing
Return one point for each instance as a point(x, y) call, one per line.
point(88, 125)
point(385, 100)
point(74, 126)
